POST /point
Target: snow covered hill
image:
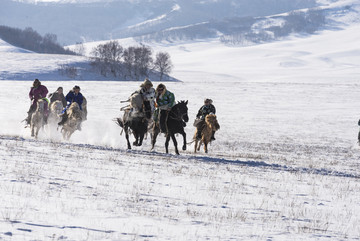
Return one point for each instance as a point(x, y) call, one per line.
point(77, 21)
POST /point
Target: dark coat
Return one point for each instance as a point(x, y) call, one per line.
point(57, 96)
point(205, 110)
point(72, 97)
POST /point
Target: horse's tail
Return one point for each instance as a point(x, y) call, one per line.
point(119, 122)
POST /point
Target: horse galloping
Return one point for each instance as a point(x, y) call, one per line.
point(137, 122)
point(175, 123)
point(74, 119)
point(56, 108)
point(211, 125)
point(37, 118)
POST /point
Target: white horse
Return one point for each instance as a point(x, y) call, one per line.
point(37, 118)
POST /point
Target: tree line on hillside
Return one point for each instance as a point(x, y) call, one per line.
point(133, 63)
point(31, 40)
point(306, 22)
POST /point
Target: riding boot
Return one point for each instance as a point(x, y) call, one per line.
point(213, 136)
point(45, 119)
point(63, 120)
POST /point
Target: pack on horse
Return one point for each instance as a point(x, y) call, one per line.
point(136, 118)
point(75, 117)
point(175, 123)
point(37, 118)
point(210, 126)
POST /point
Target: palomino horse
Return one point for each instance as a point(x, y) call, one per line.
point(56, 108)
point(74, 119)
point(37, 118)
point(137, 122)
point(211, 125)
point(175, 123)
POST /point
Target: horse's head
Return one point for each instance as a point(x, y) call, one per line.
point(57, 107)
point(182, 110)
point(212, 121)
point(40, 105)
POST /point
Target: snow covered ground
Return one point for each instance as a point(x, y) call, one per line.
point(284, 166)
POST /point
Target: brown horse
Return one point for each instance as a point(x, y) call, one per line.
point(37, 118)
point(211, 124)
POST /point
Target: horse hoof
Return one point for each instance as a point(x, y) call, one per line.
point(184, 148)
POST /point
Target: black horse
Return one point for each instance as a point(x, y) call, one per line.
point(175, 123)
point(137, 122)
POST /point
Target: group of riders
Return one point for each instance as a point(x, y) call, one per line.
point(39, 91)
point(161, 101)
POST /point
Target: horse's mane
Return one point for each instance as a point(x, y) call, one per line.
point(211, 120)
point(40, 105)
point(74, 110)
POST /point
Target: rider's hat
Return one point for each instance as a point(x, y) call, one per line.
point(146, 82)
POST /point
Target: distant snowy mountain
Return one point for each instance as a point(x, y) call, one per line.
point(73, 21)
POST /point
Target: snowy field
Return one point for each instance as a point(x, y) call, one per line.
point(284, 166)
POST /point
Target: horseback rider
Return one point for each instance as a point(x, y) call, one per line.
point(58, 95)
point(37, 92)
point(204, 110)
point(148, 93)
point(74, 95)
point(165, 100)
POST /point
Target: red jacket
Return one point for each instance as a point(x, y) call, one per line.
point(38, 93)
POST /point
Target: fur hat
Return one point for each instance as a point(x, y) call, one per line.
point(208, 100)
point(146, 82)
point(36, 81)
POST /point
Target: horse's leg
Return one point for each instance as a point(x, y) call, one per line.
point(167, 143)
point(200, 142)
point(136, 142)
point(184, 137)
point(127, 136)
point(175, 144)
point(154, 136)
point(141, 138)
point(195, 147)
point(32, 130)
point(205, 146)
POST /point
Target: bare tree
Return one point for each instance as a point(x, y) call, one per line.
point(163, 64)
point(129, 60)
point(108, 57)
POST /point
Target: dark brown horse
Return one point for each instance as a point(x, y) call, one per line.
point(175, 123)
point(137, 122)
